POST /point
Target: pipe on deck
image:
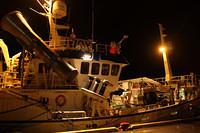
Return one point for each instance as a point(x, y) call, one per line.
point(15, 24)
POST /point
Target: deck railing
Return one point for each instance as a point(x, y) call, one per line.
point(9, 80)
point(189, 80)
point(83, 45)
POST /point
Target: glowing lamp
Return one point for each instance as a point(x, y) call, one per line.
point(162, 49)
point(87, 57)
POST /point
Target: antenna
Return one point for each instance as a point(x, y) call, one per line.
point(92, 20)
point(168, 72)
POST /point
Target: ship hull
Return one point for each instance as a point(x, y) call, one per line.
point(183, 110)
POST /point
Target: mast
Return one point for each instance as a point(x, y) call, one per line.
point(168, 72)
point(55, 10)
point(92, 20)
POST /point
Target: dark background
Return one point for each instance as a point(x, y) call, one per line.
point(139, 20)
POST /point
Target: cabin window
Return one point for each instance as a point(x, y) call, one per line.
point(105, 69)
point(43, 68)
point(84, 67)
point(95, 68)
point(115, 70)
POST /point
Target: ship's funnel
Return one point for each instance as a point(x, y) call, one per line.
point(15, 23)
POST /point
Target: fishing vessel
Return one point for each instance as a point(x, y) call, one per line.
point(69, 83)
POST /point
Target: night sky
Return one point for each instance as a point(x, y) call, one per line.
point(139, 20)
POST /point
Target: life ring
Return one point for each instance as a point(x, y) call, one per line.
point(60, 100)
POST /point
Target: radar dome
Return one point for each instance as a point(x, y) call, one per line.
point(59, 9)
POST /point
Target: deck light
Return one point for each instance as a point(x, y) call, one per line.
point(162, 49)
point(87, 56)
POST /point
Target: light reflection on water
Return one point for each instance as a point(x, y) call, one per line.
point(186, 127)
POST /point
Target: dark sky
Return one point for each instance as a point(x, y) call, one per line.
point(138, 19)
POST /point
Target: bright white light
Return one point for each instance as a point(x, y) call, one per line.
point(162, 49)
point(87, 57)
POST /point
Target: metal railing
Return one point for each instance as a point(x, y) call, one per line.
point(83, 45)
point(9, 80)
point(191, 79)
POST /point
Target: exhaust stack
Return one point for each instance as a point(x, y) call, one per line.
point(15, 24)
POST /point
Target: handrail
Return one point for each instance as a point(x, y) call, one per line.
point(82, 45)
point(188, 78)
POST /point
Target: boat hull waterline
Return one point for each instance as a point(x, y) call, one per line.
point(180, 111)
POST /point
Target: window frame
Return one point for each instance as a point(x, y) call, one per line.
point(115, 71)
point(94, 68)
point(104, 70)
point(84, 71)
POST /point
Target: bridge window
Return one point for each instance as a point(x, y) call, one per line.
point(105, 69)
point(84, 67)
point(95, 68)
point(115, 70)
